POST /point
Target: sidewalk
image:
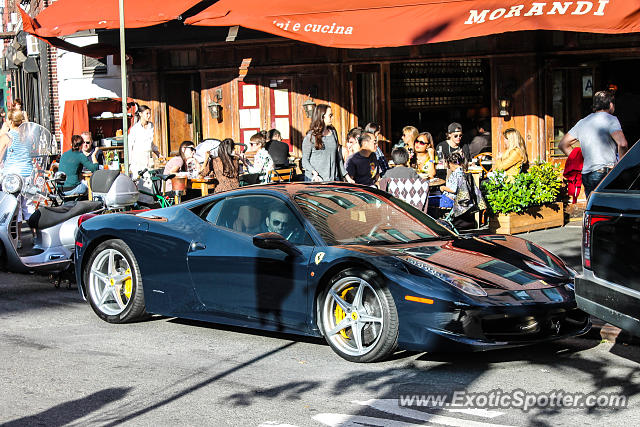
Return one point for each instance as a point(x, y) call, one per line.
point(566, 242)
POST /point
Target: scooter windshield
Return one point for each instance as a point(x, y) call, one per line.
point(42, 147)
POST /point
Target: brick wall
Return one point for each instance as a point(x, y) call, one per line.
point(52, 57)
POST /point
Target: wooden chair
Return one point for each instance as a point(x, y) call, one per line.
point(281, 175)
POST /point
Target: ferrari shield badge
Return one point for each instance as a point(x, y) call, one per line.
point(319, 257)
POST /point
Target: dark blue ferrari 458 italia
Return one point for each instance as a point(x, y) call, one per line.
point(365, 270)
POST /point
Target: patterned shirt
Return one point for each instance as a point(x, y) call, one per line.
point(262, 164)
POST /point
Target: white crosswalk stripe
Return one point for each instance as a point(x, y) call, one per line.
point(345, 420)
point(391, 406)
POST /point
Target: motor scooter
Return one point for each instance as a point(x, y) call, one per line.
point(45, 243)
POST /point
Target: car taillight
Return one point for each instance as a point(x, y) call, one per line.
point(587, 230)
point(85, 217)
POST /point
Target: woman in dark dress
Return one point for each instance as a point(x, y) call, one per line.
point(225, 167)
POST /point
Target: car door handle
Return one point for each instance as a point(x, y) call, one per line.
point(197, 246)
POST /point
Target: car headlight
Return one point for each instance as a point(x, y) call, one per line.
point(464, 284)
point(12, 183)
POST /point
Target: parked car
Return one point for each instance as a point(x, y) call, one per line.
point(609, 287)
point(365, 270)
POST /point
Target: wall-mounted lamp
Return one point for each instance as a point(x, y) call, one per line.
point(215, 108)
point(308, 106)
point(504, 105)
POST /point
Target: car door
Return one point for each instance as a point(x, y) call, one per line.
point(233, 277)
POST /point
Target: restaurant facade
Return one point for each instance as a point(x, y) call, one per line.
point(538, 82)
point(467, 64)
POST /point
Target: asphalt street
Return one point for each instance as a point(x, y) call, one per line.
point(61, 365)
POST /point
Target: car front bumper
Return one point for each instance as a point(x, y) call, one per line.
point(486, 328)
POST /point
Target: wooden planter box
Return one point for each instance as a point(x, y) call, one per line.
point(536, 218)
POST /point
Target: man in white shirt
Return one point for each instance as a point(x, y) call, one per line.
point(601, 140)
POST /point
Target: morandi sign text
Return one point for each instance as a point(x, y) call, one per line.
point(596, 8)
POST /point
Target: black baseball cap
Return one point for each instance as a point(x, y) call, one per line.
point(454, 127)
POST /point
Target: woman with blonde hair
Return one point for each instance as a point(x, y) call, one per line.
point(512, 160)
point(18, 159)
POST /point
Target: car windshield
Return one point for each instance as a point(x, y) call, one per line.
point(355, 216)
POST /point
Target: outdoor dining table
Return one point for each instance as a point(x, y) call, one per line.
point(203, 184)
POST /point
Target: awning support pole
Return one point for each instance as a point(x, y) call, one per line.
point(123, 81)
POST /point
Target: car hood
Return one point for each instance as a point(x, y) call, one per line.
point(496, 261)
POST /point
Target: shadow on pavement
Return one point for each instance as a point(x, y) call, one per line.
point(68, 412)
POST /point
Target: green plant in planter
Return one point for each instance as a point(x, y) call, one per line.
point(539, 185)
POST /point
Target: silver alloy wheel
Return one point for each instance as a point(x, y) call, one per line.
point(352, 316)
point(110, 282)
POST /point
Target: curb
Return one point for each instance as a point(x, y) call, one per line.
point(606, 331)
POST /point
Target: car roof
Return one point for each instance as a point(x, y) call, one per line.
point(292, 188)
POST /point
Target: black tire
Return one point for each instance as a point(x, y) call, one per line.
point(126, 302)
point(379, 337)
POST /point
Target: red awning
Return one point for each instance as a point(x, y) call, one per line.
point(382, 23)
point(66, 17)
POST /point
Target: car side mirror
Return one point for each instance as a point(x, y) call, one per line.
point(275, 241)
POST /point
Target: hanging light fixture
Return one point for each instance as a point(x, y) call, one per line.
point(504, 105)
point(308, 106)
point(215, 108)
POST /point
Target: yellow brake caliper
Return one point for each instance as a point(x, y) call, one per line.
point(339, 313)
point(127, 284)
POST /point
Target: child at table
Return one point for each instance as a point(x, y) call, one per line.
point(457, 165)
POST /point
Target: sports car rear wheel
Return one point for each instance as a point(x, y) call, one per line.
point(358, 316)
point(113, 283)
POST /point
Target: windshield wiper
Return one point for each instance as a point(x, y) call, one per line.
point(431, 239)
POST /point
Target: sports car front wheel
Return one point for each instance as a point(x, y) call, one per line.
point(358, 316)
point(113, 283)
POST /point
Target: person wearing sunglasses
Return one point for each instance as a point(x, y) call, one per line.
point(88, 149)
point(425, 154)
point(262, 162)
point(278, 222)
point(453, 143)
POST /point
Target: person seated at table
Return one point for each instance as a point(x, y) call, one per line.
point(514, 159)
point(72, 162)
point(453, 143)
point(350, 145)
point(278, 150)
point(409, 136)
point(400, 157)
point(262, 162)
point(88, 149)
point(457, 165)
point(362, 166)
point(374, 128)
point(226, 167)
point(184, 162)
point(425, 155)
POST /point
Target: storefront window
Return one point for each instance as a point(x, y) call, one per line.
point(432, 94)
